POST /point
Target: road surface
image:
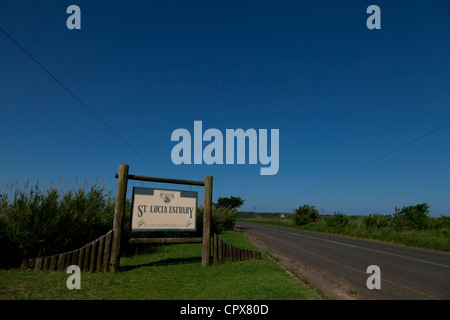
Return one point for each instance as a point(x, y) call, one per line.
point(338, 265)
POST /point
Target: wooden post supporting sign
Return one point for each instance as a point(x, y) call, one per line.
point(118, 217)
point(206, 247)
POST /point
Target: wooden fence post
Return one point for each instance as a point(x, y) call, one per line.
point(46, 264)
point(93, 259)
point(81, 257)
point(107, 251)
point(31, 263)
point(75, 255)
point(101, 247)
point(215, 248)
point(118, 217)
point(38, 265)
point(68, 261)
point(220, 250)
point(53, 261)
point(87, 255)
point(61, 261)
point(206, 245)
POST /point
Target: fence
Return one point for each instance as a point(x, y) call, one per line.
point(93, 257)
point(223, 252)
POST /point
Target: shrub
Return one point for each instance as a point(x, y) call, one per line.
point(375, 221)
point(412, 217)
point(231, 202)
point(337, 220)
point(222, 219)
point(38, 223)
point(441, 223)
point(306, 214)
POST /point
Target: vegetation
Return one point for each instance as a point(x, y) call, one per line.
point(231, 202)
point(409, 225)
point(412, 217)
point(165, 272)
point(337, 221)
point(36, 223)
point(306, 214)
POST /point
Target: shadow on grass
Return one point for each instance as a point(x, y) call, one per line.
point(164, 262)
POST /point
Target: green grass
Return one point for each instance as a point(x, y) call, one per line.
point(165, 272)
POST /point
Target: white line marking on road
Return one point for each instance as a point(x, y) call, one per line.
point(374, 250)
point(359, 247)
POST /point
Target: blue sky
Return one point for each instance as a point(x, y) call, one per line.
point(340, 94)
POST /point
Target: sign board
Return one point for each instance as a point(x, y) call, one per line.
point(163, 210)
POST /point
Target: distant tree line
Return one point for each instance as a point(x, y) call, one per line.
point(405, 218)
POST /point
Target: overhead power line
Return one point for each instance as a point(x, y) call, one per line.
point(375, 159)
point(392, 161)
point(80, 101)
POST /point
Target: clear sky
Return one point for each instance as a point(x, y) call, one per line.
point(361, 113)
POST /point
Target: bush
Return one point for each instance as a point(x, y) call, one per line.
point(222, 219)
point(230, 203)
point(38, 223)
point(412, 217)
point(375, 221)
point(306, 214)
point(441, 223)
point(337, 220)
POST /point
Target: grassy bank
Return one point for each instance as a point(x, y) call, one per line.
point(427, 239)
point(165, 272)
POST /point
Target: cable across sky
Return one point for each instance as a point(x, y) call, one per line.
point(92, 112)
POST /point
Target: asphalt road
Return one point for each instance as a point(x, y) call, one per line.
point(338, 265)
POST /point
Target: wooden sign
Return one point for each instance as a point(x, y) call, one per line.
point(163, 210)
